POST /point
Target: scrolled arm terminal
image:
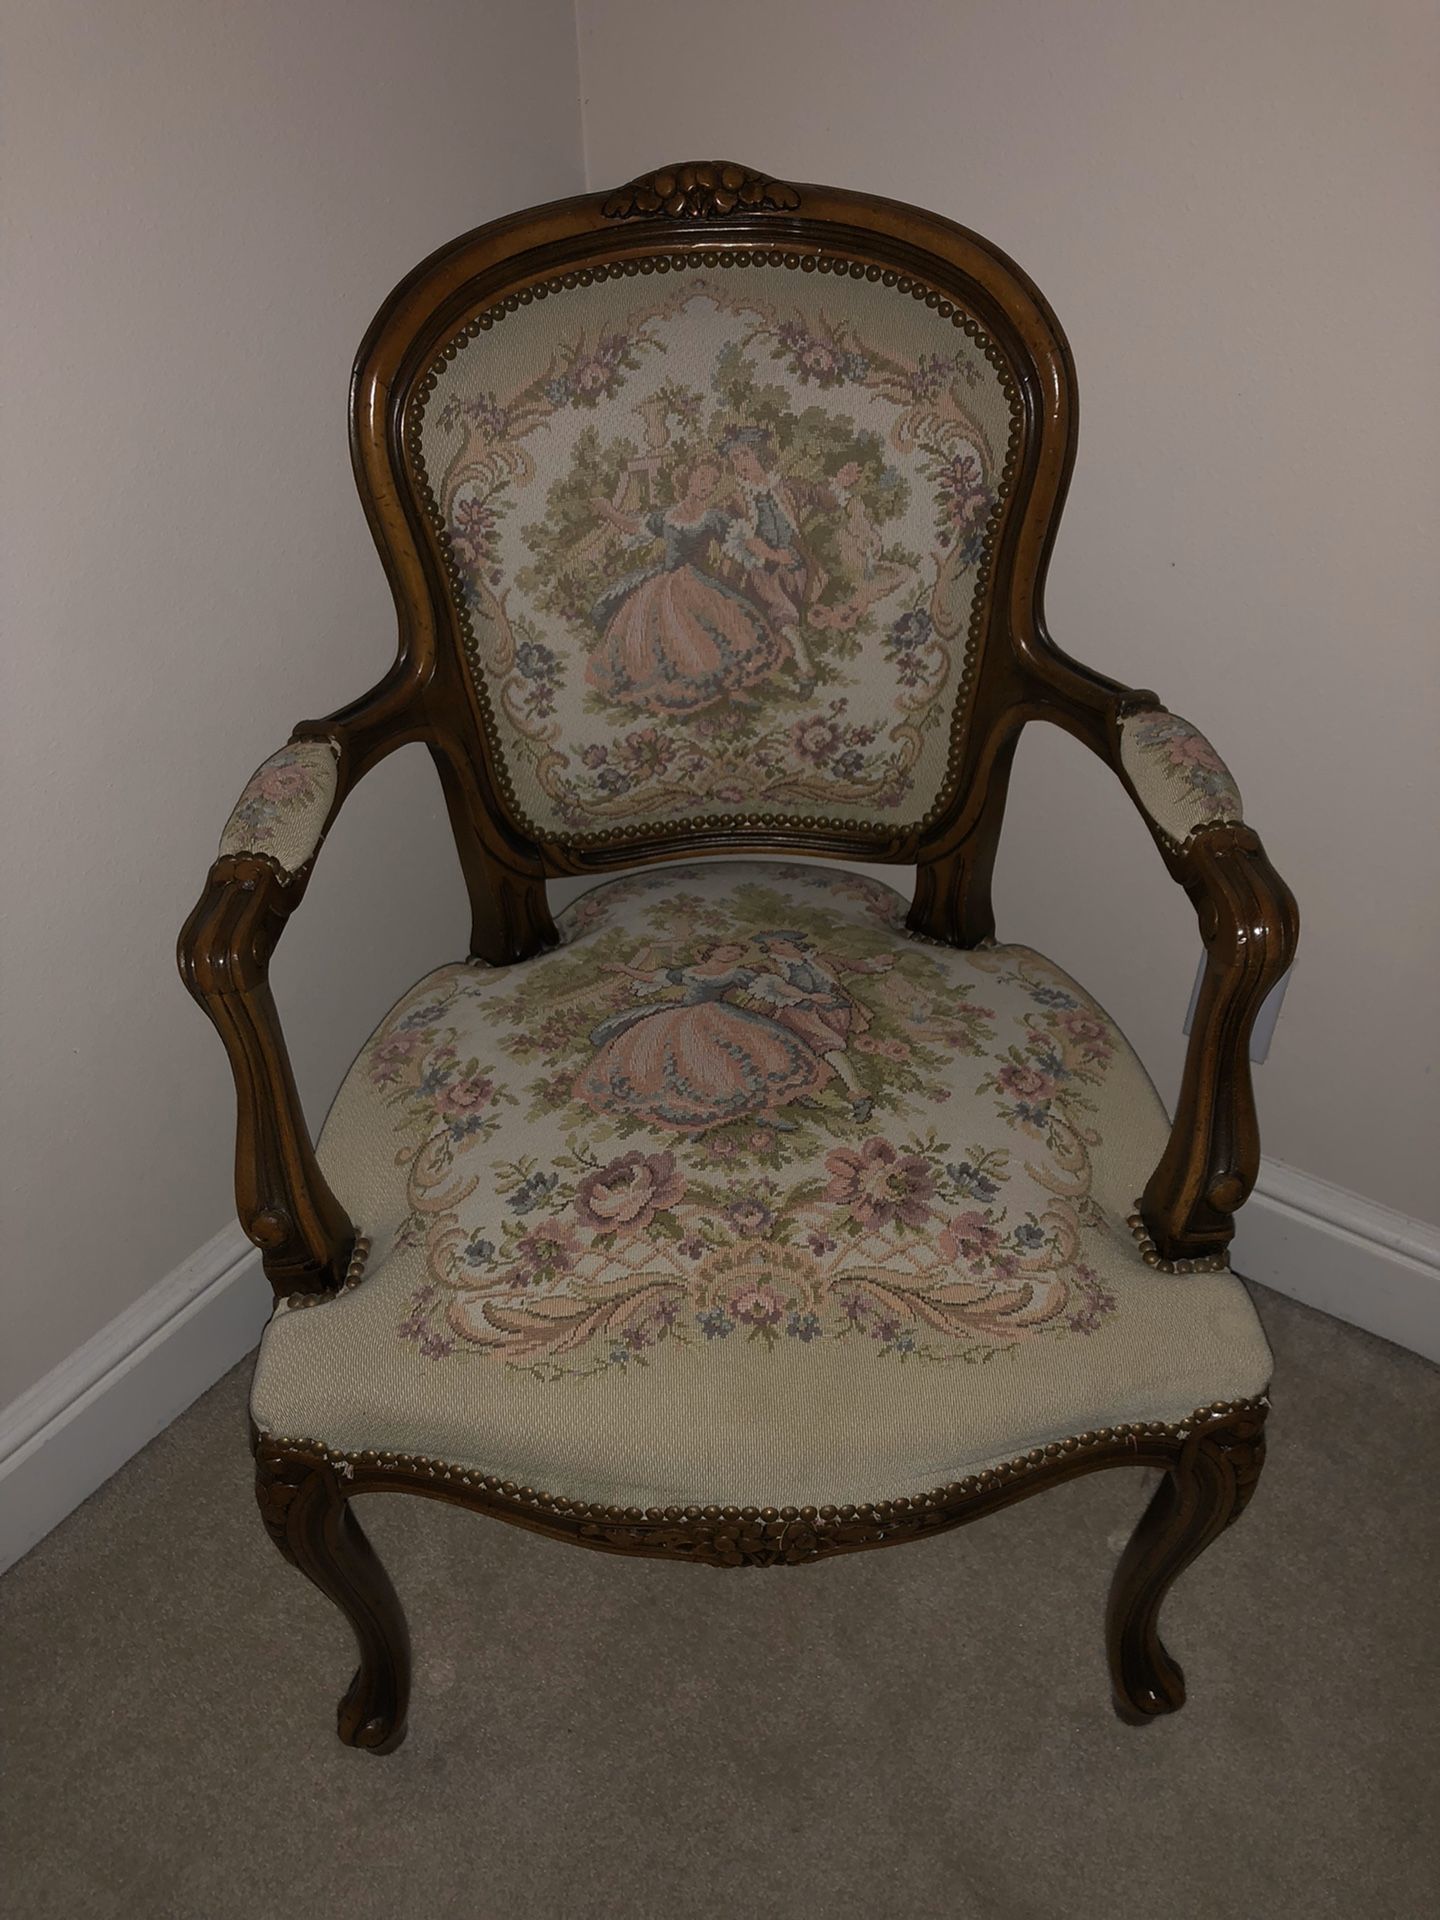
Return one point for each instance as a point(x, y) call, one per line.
point(266, 852)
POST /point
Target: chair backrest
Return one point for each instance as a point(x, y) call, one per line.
point(714, 508)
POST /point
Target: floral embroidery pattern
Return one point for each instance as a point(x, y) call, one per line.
point(1179, 775)
point(284, 805)
point(741, 1094)
point(720, 547)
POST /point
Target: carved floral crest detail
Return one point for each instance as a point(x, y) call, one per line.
point(697, 190)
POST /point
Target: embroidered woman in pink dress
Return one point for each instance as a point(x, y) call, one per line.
point(673, 637)
point(699, 1061)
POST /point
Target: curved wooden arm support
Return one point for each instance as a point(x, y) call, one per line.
point(303, 1233)
point(1249, 925)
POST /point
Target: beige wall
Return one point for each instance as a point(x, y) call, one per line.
point(1231, 208)
point(207, 200)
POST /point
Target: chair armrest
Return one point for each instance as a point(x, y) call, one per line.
point(286, 806)
point(1179, 781)
point(1249, 925)
point(266, 851)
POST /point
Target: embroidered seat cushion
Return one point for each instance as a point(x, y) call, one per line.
point(745, 1194)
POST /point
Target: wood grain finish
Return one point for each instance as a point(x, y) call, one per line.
point(307, 1515)
point(1206, 1488)
point(696, 213)
point(1211, 1462)
point(699, 190)
point(303, 1233)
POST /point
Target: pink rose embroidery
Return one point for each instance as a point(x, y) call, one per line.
point(757, 1306)
point(463, 1097)
point(969, 1237)
point(1085, 1031)
point(816, 739)
point(285, 781)
point(629, 1192)
point(879, 1185)
point(1026, 1083)
point(545, 1252)
point(1194, 750)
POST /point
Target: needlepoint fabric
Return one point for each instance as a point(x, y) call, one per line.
point(719, 541)
point(285, 805)
point(744, 1194)
point(1182, 782)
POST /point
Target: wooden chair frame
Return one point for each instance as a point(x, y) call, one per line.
point(1247, 917)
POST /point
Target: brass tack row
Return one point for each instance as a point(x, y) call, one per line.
point(878, 1512)
point(1149, 1253)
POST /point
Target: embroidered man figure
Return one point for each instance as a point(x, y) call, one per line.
point(765, 540)
point(803, 994)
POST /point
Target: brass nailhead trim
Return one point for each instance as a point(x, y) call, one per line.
point(701, 1519)
point(1203, 1263)
point(354, 1274)
point(711, 258)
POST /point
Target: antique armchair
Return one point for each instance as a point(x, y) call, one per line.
point(738, 1214)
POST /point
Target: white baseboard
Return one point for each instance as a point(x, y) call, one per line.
point(83, 1421)
point(1334, 1250)
point(1339, 1252)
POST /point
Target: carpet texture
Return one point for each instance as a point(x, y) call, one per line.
point(924, 1731)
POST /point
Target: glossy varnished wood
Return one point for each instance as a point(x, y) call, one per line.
point(1206, 1488)
point(306, 1513)
point(303, 1233)
point(696, 212)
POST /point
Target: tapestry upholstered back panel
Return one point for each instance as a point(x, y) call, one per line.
point(719, 540)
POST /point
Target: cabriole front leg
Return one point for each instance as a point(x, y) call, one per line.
point(307, 1515)
point(1205, 1491)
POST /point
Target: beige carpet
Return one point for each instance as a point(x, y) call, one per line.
point(924, 1731)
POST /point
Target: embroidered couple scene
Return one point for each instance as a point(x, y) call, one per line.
point(744, 1095)
point(721, 548)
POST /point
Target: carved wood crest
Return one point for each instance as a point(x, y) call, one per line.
point(699, 190)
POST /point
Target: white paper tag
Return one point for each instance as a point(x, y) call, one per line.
point(1263, 1032)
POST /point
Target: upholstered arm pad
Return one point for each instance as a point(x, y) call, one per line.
point(285, 805)
point(1180, 780)
point(254, 886)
